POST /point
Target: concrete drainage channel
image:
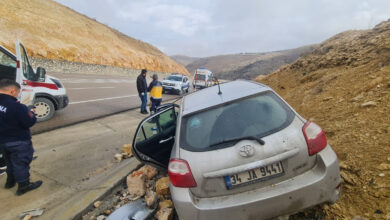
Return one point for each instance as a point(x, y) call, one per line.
point(91, 209)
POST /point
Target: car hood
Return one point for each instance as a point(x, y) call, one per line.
point(171, 81)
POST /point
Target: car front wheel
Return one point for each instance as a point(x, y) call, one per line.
point(44, 109)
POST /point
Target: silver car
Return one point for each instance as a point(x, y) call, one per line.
point(239, 152)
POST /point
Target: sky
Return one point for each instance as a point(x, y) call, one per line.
point(202, 28)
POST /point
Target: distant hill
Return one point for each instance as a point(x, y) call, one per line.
point(344, 86)
point(53, 31)
point(248, 65)
point(184, 60)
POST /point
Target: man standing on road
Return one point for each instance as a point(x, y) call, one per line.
point(142, 90)
point(155, 88)
point(15, 137)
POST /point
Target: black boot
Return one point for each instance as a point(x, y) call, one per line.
point(10, 182)
point(27, 186)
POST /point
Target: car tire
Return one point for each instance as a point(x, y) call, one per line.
point(44, 109)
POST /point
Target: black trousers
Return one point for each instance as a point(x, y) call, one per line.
point(18, 156)
point(2, 158)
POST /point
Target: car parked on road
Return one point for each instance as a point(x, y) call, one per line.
point(176, 83)
point(243, 153)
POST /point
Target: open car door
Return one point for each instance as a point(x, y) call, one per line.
point(155, 136)
point(24, 73)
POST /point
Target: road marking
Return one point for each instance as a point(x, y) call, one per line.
point(74, 80)
point(96, 100)
point(90, 88)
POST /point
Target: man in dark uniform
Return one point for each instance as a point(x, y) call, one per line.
point(142, 90)
point(15, 138)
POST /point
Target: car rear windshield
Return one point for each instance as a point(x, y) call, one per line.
point(200, 77)
point(259, 116)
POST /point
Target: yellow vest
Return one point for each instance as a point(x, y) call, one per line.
point(156, 91)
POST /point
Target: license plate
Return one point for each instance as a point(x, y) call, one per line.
point(255, 175)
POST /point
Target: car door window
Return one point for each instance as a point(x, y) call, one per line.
point(28, 72)
point(7, 66)
point(6, 60)
point(155, 138)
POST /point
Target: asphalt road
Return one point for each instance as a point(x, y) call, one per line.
point(93, 96)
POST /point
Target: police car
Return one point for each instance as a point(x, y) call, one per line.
point(176, 83)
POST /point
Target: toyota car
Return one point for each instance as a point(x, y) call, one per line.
point(239, 151)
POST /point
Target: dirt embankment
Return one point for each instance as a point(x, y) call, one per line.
point(344, 86)
point(52, 31)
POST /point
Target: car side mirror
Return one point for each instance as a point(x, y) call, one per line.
point(41, 72)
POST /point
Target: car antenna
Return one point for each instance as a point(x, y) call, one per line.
point(219, 88)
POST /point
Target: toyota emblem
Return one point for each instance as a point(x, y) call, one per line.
point(247, 151)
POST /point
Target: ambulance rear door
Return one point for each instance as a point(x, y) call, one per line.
point(24, 75)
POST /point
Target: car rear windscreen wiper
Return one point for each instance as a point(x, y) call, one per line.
point(235, 140)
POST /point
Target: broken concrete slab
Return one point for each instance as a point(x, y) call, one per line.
point(162, 186)
point(136, 183)
point(149, 171)
point(164, 214)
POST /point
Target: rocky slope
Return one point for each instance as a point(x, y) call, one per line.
point(344, 86)
point(248, 65)
point(50, 30)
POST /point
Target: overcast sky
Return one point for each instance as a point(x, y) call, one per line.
point(201, 28)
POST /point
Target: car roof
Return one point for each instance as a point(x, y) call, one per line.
point(209, 97)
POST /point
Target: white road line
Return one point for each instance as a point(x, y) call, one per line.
point(98, 81)
point(90, 88)
point(96, 100)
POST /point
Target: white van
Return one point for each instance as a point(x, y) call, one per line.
point(203, 78)
point(45, 92)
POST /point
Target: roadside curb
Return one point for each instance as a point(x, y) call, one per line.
point(109, 190)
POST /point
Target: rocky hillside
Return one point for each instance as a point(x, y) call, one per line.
point(50, 30)
point(248, 65)
point(344, 86)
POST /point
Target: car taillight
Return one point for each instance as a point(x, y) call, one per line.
point(17, 64)
point(315, 137)
point(180, 173)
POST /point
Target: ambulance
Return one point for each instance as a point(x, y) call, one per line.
point(46, 93)
point(203, 78)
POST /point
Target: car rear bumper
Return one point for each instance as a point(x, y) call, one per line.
point(318, 185)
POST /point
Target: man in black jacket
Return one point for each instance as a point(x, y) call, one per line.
point(15, 137)
point(142, 90)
